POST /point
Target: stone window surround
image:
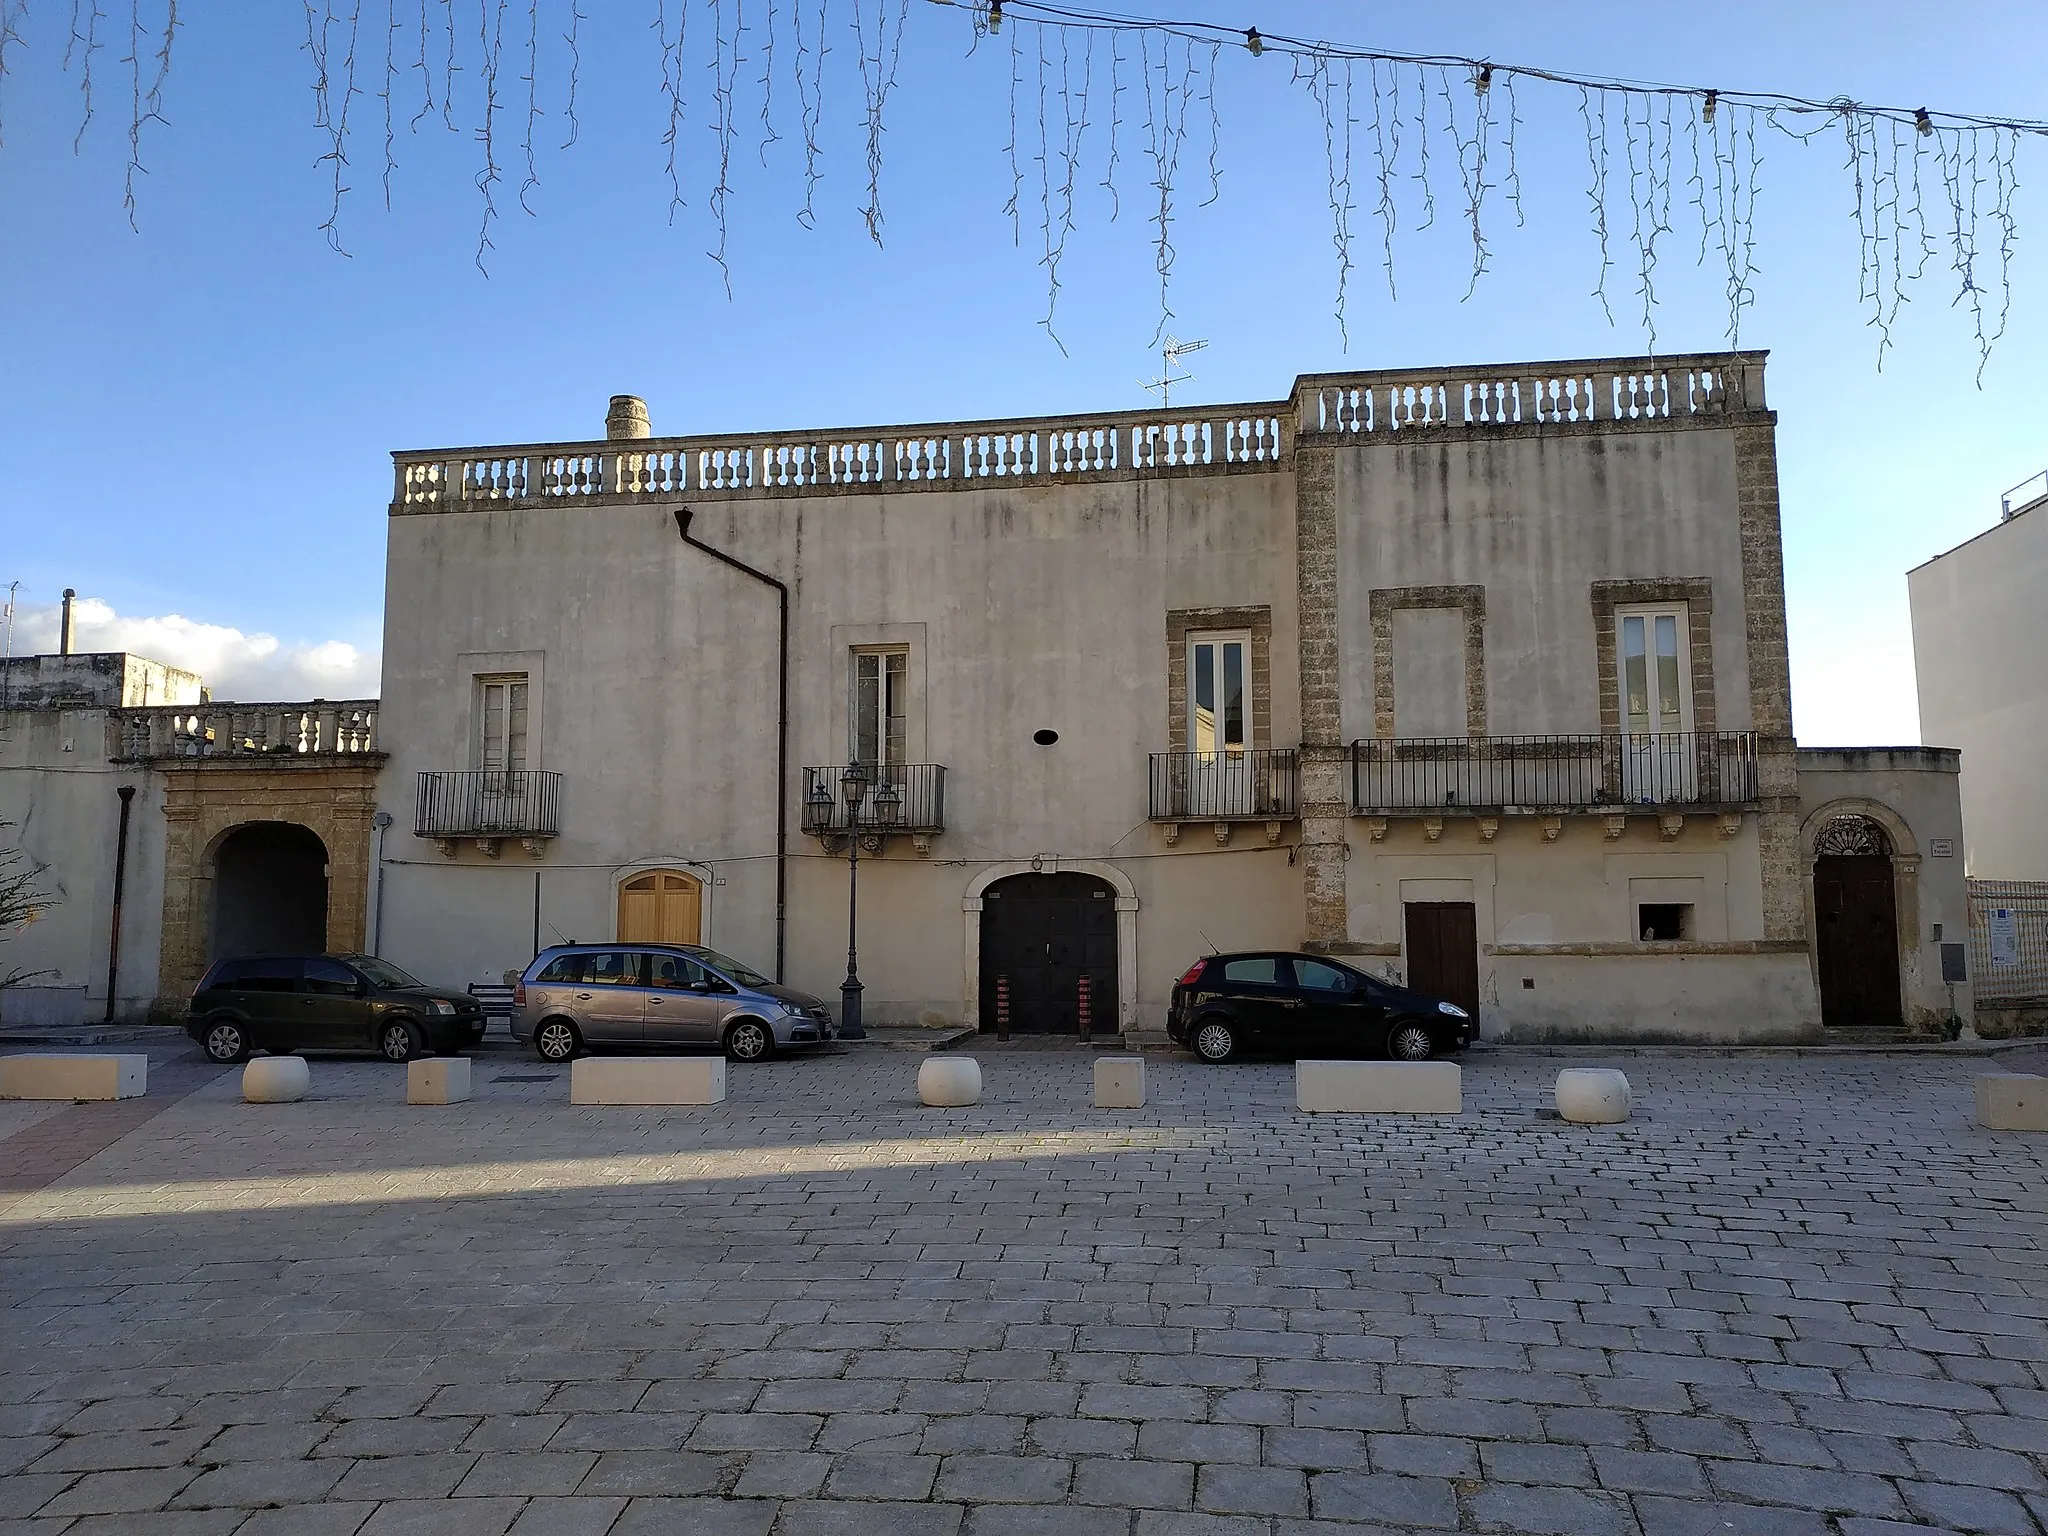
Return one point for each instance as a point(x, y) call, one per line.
point(1382, 604)
point(1183, 622)
point(1697, 594)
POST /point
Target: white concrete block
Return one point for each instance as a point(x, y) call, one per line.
point(73, 1077)
point(645, 1080)
point(1119, 1082)
point(2012, 1101)
point(276, 1079)
point(949, 1082)
point(1593, 1095)
point(1378, 1087)
point(437, 1080)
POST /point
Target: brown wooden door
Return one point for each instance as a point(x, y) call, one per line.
point(661, 907)
point(1858, 940)
point(1443, 951)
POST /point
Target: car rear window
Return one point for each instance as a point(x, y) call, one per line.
point(263, 974)
point(1258, 970)
point(563, 970)
point(611, 968)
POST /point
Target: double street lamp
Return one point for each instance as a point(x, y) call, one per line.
point(887, 806)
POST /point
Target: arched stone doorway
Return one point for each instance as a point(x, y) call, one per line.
point(1856, 918)
point(269, 891)
point(1045, 939)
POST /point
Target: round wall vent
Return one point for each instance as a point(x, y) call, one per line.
point(1045, 738)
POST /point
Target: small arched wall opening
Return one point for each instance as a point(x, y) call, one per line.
point(269, 891)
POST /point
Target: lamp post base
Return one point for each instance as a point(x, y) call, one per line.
point(849, 1011)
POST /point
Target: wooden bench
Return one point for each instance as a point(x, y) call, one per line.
point(496, 996)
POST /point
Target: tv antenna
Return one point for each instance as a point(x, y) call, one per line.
point(1169, 358)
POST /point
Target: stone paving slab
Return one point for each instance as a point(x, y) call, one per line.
point(1794, 1295)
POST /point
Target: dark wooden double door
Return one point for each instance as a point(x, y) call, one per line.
point(1856, 911)
point(1041, 936)
point(1443, 951)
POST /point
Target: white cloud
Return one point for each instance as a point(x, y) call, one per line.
point(234, 664)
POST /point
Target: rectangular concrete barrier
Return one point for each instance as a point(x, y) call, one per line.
point(437, 1080)
point(1378, 1087)
point(1119, 1082)
point(2012, 1101)
point(74, 1077)
point(644, 1080)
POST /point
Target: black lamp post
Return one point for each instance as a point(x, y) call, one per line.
point(853, 788)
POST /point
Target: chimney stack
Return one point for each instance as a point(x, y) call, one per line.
point(64, 628)
point(627, 418)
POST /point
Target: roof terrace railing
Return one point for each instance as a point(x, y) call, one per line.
point(1038, 450)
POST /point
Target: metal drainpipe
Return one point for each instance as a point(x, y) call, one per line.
point(127, 794)
point(683, 516)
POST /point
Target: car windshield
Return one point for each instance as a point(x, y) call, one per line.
point(382, 972)
point(746, 976)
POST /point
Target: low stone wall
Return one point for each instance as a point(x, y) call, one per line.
point(2010, 1021)
point(1647, 998)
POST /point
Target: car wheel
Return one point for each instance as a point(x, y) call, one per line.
point(1215, 1040)
point(400, 1041)
point(749, 1040)
point(556, 1040)
point(1409, 1041)
point(225, 1042)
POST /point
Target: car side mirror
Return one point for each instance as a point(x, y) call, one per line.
point(700, 985)
point(363, 989)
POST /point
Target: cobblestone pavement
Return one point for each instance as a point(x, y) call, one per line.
point(1793, 1297)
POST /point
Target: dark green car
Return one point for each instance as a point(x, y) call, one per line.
point(327, 1003)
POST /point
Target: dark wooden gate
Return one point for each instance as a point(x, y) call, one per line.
point(1043, 934)
point(1443, 951)
point(1856, 911)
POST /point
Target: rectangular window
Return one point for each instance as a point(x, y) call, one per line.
point(1219, 713)
point(501, 723)
point(1655, 682)
point(1663, 922)
point(881, 706)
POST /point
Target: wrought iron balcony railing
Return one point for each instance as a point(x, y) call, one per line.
point(1491, 773)
point(1226, 786)
point(488, 803)
point(900, 797)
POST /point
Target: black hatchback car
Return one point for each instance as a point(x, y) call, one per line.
point(327, 1003)
point(1307, 1005)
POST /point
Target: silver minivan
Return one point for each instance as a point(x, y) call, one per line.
point(586, 996)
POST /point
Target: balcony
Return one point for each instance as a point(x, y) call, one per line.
point(906, 798)
point(488, 805)
point(1225, 788)
point(1487, 776)
point(312, 734)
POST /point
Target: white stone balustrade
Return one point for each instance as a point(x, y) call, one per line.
point(319, 728)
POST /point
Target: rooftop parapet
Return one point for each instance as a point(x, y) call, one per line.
point(1595, 394)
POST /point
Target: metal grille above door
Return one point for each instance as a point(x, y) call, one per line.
point(1041, 936)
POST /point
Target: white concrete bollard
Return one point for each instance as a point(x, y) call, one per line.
point(276, 1079)
point(437, 1080)
point(1119, 1082)
point(1378, 1087)
point(2012, 1101)
point(647, 1080)
point(1593, 1096)
point(949, 1082)
point(73, 1077)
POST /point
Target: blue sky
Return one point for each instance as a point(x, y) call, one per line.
point(195, 419)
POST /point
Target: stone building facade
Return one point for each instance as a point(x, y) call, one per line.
point(1477, 676)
